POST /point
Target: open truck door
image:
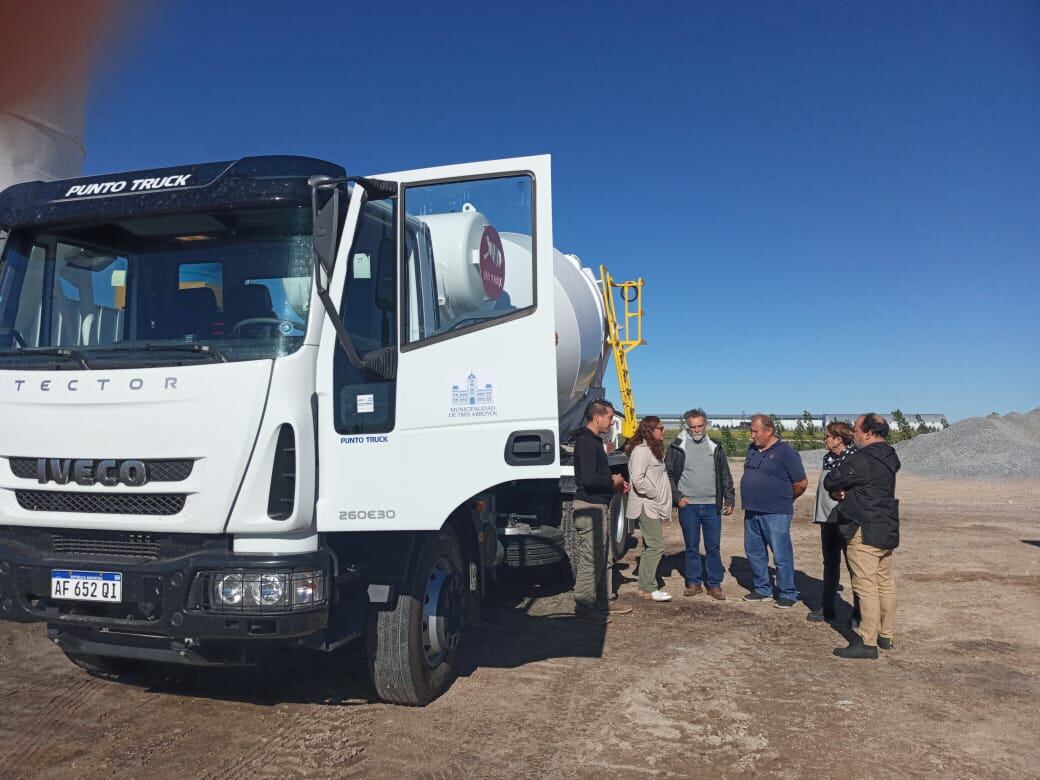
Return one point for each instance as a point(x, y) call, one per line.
point(443, 281)
point(436, 382)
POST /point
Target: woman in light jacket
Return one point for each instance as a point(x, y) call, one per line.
point(839, 446)
point(650, 500)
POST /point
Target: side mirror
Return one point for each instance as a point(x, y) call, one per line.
point(325, 218)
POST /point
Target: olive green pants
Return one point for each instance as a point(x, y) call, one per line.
point(653, 549)
point(592, 579)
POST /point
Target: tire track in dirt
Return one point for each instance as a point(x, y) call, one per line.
point(51, 715)
point(306, 741)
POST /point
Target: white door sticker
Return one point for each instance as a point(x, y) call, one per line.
point(366, 404)
point(362, 266)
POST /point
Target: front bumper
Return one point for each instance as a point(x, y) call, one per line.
point(158, 600)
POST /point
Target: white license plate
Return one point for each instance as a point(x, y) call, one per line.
point(87, 585)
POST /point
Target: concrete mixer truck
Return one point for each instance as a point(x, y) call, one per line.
point(262, 403)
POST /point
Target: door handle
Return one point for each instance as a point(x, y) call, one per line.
point(531, 448)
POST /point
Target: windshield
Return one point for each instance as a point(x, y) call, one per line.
point(223, 285)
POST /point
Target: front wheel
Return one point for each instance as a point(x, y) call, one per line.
point(412, 647)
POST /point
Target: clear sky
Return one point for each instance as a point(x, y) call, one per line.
point(835, 205)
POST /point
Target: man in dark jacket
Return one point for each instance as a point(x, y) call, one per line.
point(865, 484)
point(594, 486)
point(702, 488)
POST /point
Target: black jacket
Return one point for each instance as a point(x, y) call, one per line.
point(675, 462)
point(591, 469)
point(868, 478)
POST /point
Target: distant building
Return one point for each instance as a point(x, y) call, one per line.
point(933, 422)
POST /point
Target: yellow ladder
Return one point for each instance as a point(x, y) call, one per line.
point(623, 336)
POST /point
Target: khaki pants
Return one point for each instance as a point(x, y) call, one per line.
point(873, 584)
point(591, 581)
point(653, 549)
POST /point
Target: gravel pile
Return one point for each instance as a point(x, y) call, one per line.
point(992, 446)
point(981, 447)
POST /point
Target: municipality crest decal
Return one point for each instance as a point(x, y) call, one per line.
point(473, 398)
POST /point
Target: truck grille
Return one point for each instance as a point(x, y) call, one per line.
point(99, 546)
point(101, 503)
point(158, 470)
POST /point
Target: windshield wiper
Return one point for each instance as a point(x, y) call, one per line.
point(49, 351)
point(198, 349)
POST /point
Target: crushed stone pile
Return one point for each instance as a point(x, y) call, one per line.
point(978, 447)
point(991, 446)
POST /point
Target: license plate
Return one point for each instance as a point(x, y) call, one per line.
point(87, 585)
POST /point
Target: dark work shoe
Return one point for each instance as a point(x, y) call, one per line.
point(716, 593)
point(757, 598)
point(856, 650)
point(816, 616)
point(886, 644)
point(785, 603)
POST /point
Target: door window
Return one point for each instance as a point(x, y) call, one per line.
point(469, 258)
point(365, 402)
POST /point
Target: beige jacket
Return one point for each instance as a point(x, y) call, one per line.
point(651, 492)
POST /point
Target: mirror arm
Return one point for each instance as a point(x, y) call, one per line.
point(381, 362)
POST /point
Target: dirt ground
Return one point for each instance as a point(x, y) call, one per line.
point(691, 688)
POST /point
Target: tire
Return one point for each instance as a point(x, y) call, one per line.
point(620, 527)
point(412, 648)
point(108, 667)
point(542, 550)
point(570, 537)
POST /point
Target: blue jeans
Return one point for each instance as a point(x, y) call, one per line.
point(694, 518)
point(772, 532)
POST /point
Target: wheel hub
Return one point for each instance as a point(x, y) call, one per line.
point(442, 612)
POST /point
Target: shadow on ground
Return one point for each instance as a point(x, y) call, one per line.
point(524, 623)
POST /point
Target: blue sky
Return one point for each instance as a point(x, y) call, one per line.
point(835, 205)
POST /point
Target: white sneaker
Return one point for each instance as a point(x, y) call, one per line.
point(660, 595)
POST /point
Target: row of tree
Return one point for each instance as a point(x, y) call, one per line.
point(806, 435)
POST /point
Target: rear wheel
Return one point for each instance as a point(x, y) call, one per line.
point(412, 647)
point(570, 537)
point(620, 527)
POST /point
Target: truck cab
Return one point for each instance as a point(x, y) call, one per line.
point(260, 403)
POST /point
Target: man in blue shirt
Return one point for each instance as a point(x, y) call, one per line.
point(773, 478)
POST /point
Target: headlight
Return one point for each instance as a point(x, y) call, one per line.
point(229, 590)
point(258, 592)
point(268, 590)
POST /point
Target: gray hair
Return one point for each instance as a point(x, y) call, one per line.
point(696, 412)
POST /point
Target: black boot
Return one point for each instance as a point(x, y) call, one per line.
point(856, 649)
point(885, 644)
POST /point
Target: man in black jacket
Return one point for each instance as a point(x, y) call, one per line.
point(865, 484)
point(594, 487)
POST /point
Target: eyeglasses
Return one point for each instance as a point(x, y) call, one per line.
point(658, 427)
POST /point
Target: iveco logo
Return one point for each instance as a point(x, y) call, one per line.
point(91, 472)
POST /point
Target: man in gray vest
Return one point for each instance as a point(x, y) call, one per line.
point(702, 488)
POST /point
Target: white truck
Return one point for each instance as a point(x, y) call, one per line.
point(261, 403)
